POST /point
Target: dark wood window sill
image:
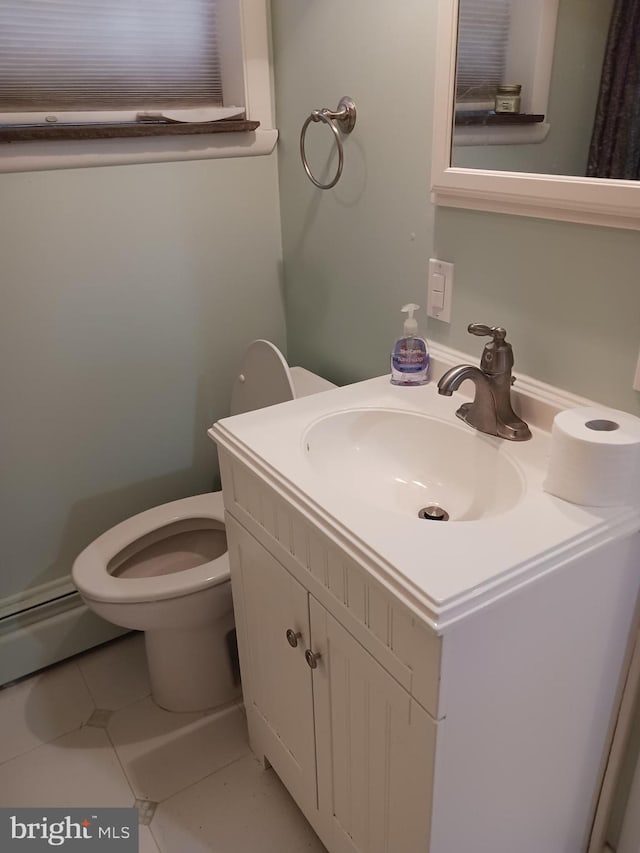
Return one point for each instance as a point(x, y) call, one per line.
point(32, 133)
point(478, 119)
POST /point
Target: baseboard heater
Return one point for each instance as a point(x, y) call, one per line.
point(47, 625)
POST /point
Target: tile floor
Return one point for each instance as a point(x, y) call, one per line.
point(86, 733)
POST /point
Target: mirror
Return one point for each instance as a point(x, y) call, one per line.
point(534, 160)
point(561, 117)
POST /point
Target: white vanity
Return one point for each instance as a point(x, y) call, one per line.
point(420, 686)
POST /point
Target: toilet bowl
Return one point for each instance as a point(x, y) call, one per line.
point(165, 571)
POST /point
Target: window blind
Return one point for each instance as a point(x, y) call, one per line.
point(483, 40)
point(108, 54)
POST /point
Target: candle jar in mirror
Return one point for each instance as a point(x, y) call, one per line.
point(508, 98)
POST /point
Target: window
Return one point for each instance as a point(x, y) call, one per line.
point(483, 41)
point(75, 70)
point(510, 42)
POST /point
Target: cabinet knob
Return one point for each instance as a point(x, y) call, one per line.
point(312, 658)
point(293, 637)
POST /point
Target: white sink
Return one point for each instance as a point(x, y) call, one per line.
point(402, 462)
point(362, 460)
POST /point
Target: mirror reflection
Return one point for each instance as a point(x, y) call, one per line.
point(549, 87)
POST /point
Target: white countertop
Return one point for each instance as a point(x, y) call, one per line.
point(443, 571)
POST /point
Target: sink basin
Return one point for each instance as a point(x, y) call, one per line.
point(403, 462)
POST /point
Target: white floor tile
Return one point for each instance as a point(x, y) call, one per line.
point(164, 752)
point(146, 841)
point(116, 673)
point(42, 708)
point(240, 809)
point(79, 769)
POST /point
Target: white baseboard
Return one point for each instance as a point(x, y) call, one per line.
point(48, 633)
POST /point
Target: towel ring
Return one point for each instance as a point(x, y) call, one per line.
point(345, 116)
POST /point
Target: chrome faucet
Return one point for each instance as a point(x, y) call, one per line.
point(491, 410)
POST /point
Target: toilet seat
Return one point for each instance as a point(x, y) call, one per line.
point(94, 582)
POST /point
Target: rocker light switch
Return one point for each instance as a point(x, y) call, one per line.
point(440, 290)
point(437, 292)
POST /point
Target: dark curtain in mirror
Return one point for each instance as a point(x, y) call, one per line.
point(615, 143)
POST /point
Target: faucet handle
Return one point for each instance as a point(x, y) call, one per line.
point(497, 356)
point(496, 332)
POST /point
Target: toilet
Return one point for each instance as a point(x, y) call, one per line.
point(165, 571)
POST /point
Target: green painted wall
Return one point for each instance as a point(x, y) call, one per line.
point(567, 294)
point(355, 254)
point(128, 294)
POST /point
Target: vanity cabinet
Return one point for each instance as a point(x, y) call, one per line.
point(489, 733)
point(352, 746)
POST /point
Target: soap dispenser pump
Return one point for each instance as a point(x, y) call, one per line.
point(410, 354)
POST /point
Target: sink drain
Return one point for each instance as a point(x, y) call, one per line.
point(433, 513)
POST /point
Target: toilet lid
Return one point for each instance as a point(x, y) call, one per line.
point(263, 379)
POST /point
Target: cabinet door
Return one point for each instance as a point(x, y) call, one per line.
point(277, 684)
point(375, 748)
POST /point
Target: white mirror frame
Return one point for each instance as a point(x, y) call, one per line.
point(593, 201)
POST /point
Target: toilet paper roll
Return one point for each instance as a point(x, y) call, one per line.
point(595, 457)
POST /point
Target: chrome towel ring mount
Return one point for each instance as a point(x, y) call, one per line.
point(345, 118)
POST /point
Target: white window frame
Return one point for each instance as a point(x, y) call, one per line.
point(529, 62)
point(248, 82)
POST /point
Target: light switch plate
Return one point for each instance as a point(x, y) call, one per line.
point(440, 278)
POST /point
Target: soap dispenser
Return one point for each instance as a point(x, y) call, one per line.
point(410, 354)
